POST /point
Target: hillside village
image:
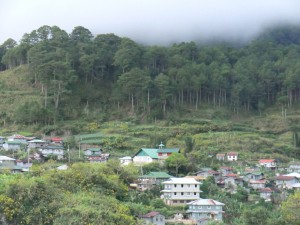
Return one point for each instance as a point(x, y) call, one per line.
point(268, 179)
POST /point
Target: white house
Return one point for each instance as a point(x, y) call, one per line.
point(232, 156)
point(12, 145)
point(36, 143)
point(204, 210)
point(285, 182)
point(179, 191)
point(125, 160)
point(145, 155)
point(18, 138)
point(52, 150)
point(268, 163)
point(294, 167)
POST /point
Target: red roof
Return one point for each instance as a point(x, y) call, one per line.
point(268, 190)
point(282, 177)
point(17, 136)
point(220, 154)
point(266, 160)
point(258, 181)
point(232, 154)
point(56, 139)
point(231, 175)
point(150, 214)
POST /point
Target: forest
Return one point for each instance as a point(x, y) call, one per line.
point(79, 75)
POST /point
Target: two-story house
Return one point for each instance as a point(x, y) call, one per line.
point(179, 191)
point(255, 175)
point(7, 163)
point(268, 163)
point(204, 210)
point(220, 156)
point(232, 156)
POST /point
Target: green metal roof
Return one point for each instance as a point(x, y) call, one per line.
point(151, 152)
point(168, 150)
point(93, 149)
point(157, 175)
point(14, 143)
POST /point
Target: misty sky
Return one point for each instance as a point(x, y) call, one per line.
point(150, 21)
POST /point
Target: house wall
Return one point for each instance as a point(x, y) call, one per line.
point(142, 159)
point(181, 193)
point(7, 147)
point(197, 212)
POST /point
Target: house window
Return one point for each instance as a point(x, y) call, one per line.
point(196, 185)
point(199, 207)
point(181, 193)
point(175, 185)
point(182, 185)
point(175, 193)
point(189, 185)
point(195, 193)
point(209, 207)
point(174, 201)
point(188, 193)
point(181, 201)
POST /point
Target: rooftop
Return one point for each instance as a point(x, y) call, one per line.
point(181, 181)
point(284, 177)
point(150, 214)
point(203, 201)
point(266, 160)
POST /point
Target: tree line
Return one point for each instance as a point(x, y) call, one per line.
point(77, 73)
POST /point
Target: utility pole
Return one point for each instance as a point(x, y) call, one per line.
point(69, 153)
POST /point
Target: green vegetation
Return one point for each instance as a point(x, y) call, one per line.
point(110, 91)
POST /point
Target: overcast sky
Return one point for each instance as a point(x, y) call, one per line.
point(150, 21)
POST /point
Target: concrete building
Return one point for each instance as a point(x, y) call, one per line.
point(179, 191)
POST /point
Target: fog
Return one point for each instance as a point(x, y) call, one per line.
point(151, 21)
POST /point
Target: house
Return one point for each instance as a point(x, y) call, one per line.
point(265, 193)
point(125, 160)
point(12, 145)
point(24, 164)
point(268, 163)
point(57, 140)
point(52, 150)
point(145, 155)
point(154, 218)
point(257, 184)
point(179, 191)
point(294, 167)
point(220, 156)
point(164, 153)
point(231, 181)
point(1, 141)
point(232, 156)
point(17, 138)
point(147, 182)
point(7, 163)
point(255, 175)
point(93, 152)
point(209, 173)
point(204, 210)
point(285, 182)
point(36, 143)
point(226, 170)
point(98, 159)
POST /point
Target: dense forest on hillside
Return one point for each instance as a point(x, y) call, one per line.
point(76, 74)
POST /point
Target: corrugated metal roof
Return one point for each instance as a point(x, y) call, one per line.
point(205, 202)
